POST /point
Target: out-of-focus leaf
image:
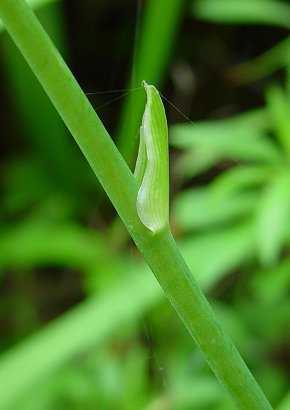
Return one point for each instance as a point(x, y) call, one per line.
point(205, 394)
point(207, 153)
point(54, 241)
point(202, 208)
point(279, 111)
point(241, 178)
point(272, 284)
point(266, 333)
point(154, 46)
point(241, 138)
point(261, 66)
point(24, 182)
point(252, 122)
point(213, 254)
point(272, 218)
point(285, 403)
point(272, 12)
point(42, 242)
point(89, 324)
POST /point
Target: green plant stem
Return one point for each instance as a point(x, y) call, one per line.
point(34, 4)
point(157, 39)
point(160, 251)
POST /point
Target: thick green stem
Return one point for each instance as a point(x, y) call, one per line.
point(160, 251)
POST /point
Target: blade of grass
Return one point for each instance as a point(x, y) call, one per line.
point(263, 65)
point(158, 30)
point(159, 250)
point(278, 108)
point(270, 12)
point(272, 217)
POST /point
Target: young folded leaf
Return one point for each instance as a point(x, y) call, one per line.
point(152, 164)
point(141, 162)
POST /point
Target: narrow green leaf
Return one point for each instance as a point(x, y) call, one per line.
point(202, 208)
point(242, 178)
point(273, 12)
point(141, 162)
point(240, 138)
point(279, 109)
point(250, 122)
point(153, 49)
point(273, 213)
point(262, 65)
point(248, 148)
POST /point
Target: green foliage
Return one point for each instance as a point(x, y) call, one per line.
point(254, 189)
point(113, 341)
point(244, 11)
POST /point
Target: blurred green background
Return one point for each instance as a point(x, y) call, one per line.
point(83, 322)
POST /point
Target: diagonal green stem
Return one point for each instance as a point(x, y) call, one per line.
point(159, 250)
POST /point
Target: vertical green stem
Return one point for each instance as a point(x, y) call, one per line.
point(158, 31)
point(159, 250)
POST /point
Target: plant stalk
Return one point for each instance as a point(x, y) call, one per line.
point(160, 250)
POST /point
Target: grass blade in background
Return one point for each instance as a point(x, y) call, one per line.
point(216, 209)
point(157, 39)
point(272, 218)
point(184, 135)
point(279, 112)
point(239, 138)
point(263, 65)
point(272, 12)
